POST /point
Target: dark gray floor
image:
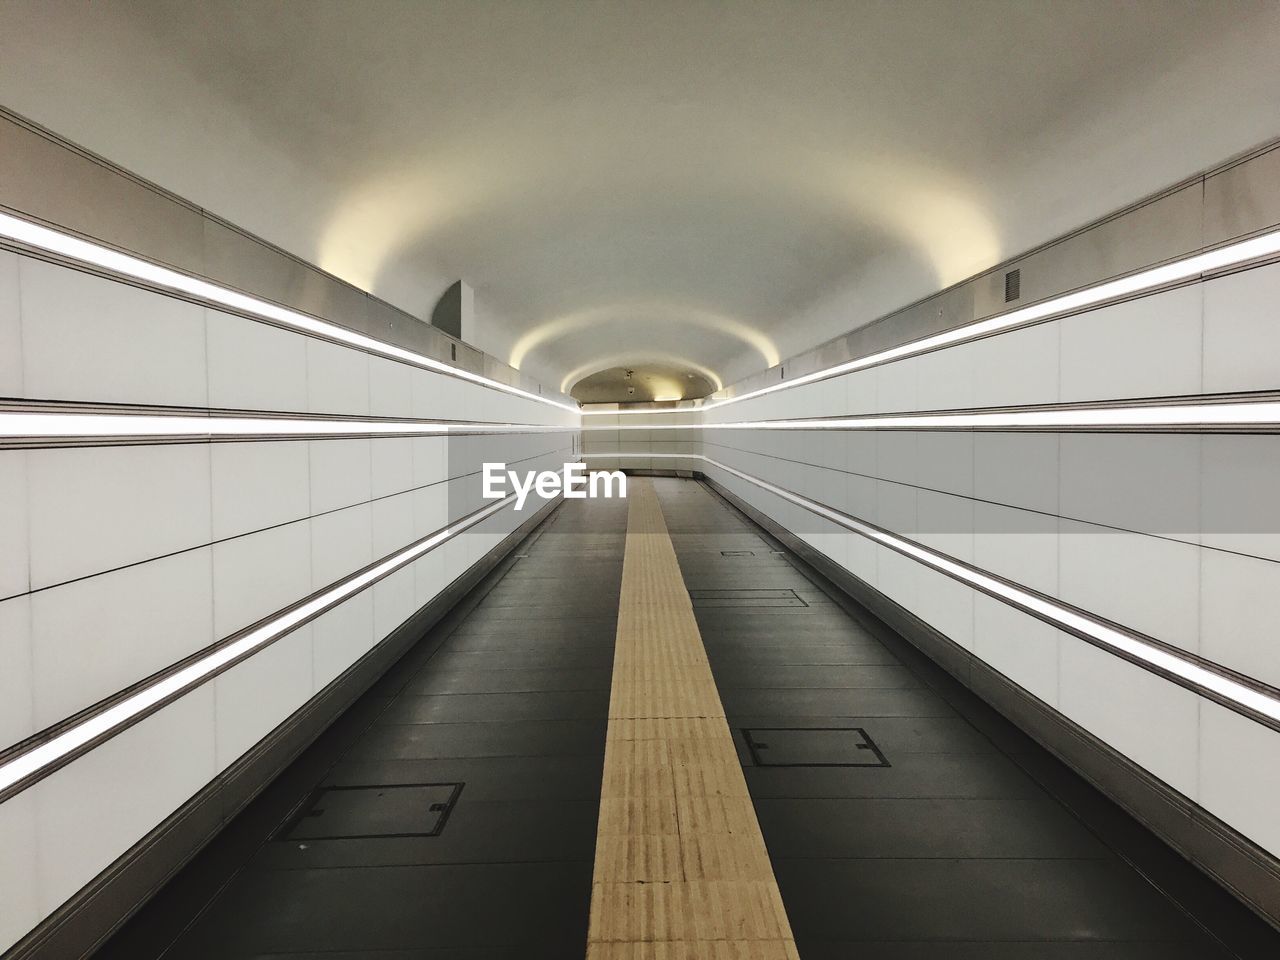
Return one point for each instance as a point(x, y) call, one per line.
point(509, 697)
point(971, 842)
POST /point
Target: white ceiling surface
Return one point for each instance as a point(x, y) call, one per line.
point(711, 184)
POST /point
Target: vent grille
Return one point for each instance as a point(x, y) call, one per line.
point(1012, 285)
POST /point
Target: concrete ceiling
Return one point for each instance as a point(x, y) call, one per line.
point(683, 183)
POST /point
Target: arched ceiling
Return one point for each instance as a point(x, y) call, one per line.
point(648, 381)
point(675, 179)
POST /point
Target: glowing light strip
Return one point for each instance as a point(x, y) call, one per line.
point(1132, 646)
point(1267, 245)
point(29, 426)
point(18, 426)
point(1263, 413)
point(54, 241)
point(63, 426)
point(72, 740)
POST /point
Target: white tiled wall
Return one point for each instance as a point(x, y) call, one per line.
point(258, 573)
point(1241, 336)
point(1021, 647)
point(393, 601)
point(18, 892)
point(93, 637)
point(390, 388)
point(392, 517)
point(1140, 714)
point(133, 781)
point(1239, 773)
point(392, 465)
point(341, 473)
point(1020, 367)
point(14, 574)
point(1147, 483)
point(1177, 537)
point(254, 366)
point(343, 635)
point(257, 485)
point(119, 561)
point(1240, 608)
point(84, 338)
point(1149, 347)
point(1160, 577)
point(254, 696)
point(337, 379)
point(17, 679)
point(341, 542)
point(10, 327)
point(97, 508)
point(1239, 509)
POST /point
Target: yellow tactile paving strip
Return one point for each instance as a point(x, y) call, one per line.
point(681, 870)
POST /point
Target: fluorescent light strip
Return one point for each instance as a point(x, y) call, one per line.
point(1267, 245)
point(84, 251)
point(1256, 414)
point(73, 740)
point(29, 426)
point(1132, 646)
point(33, 426)
point(65, 426)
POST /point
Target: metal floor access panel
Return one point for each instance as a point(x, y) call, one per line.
point(452, 813)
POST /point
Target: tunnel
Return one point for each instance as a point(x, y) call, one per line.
point(639, 480)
